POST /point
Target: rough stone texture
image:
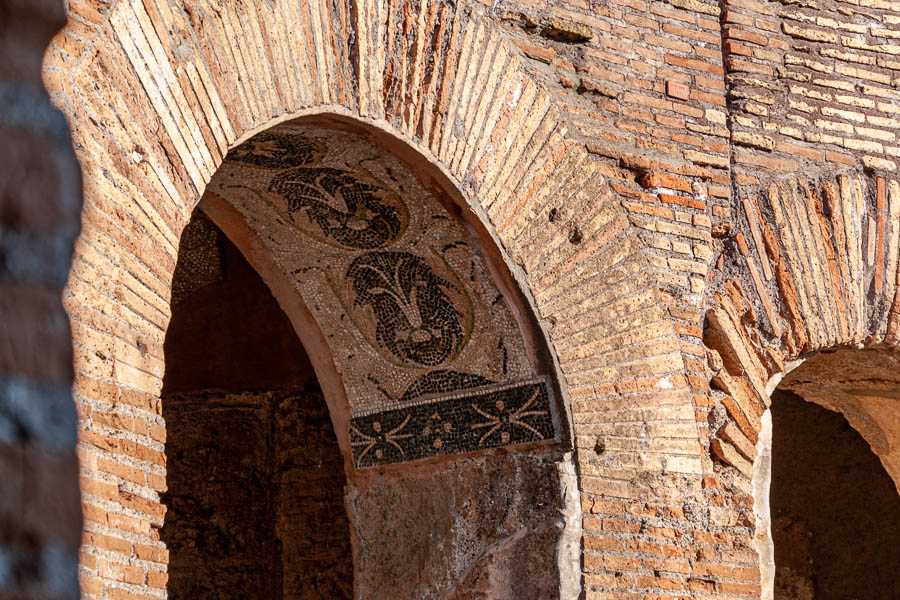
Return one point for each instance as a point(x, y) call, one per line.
point(460, 528)
point(312, 524)
point(221, 497)
point(255, 498)
point(812, 86)
point(664, 177)
point(519, 569)
point(255, 479)
point(808, 271)
point(835, 511)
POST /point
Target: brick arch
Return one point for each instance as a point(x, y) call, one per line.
point(811, 266)
point(509, 154)
point(159, 97)
point(804, 298)
point(304, 264)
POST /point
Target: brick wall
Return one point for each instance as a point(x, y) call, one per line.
point(813, 86)
point(623, 154)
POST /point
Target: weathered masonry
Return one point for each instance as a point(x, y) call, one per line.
point(449, 299)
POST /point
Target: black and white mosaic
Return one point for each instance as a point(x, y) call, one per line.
point(345, 210)
point(477, 419)
point(406, 303)
point(415, 317)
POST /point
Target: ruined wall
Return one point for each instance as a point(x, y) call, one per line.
point(312, 524)
point(862, 386)
point(622, 152)
point(255, 497)
point(467, 528)
point(227, 332)
point(222, 483)
point(807, 256)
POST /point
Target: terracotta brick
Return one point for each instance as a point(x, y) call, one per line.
point(504, 104)
point(678, 90)
point(105, 542)
point(151, 553)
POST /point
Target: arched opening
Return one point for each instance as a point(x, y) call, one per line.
point(355, 332)
point(254, 472)
point(835, 510)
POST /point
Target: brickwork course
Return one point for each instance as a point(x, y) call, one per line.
point(678, 199)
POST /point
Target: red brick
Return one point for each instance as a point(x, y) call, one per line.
point(151, 553)
point(678, 90)
point(106, 542)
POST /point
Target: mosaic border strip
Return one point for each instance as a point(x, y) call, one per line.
point(475, 419)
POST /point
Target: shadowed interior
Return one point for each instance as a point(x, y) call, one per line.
point(255, 503)
point(835, 510)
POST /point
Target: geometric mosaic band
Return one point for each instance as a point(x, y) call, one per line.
point(474, 419)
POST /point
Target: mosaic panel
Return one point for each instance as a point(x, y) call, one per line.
point(487, 417)
point(199, 255)
point(396, 284)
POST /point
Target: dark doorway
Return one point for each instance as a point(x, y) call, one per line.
point(255, 499)
point(835, 510)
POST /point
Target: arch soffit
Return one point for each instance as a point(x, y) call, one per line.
point(431, 352)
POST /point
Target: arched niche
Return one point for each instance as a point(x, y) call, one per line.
point(396, 281)
point(255, 477)
point(864, 386)
point(800, 298)
point(825, 480)
point(438, 380)
point(835, 510)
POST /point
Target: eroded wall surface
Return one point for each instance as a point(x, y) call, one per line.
point(864, 386)
point(255, 498)
point(655, 169)
point(467, 529)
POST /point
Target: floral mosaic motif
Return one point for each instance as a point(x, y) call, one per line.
point(420, 317)
point(429, 352)
point(335, 206)
point(278, 150)
point(485, 417)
